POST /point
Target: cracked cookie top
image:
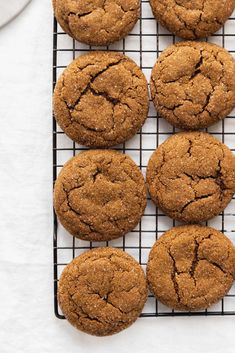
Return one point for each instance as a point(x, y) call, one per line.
point(192, 84)
point(97, 22)
point(192, 19)
point(191, 176)
point(100, 195)
point(102, 291)
point(101, 99)
point(191, 267)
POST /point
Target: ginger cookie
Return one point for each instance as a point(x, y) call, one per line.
point(102, 291)
point(191, 176)
point(192, 19)
point(100, 195)
point(191, 267)
point(101, 99)
point(192, 84)
point(97, 22)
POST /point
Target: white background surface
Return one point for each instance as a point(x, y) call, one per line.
point(27, 322)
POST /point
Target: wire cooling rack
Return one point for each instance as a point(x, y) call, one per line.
point(144, 44)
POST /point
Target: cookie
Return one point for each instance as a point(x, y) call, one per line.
point(191, 267)
point(191, 176)
point(97, 22)
point(102, 291)
point(101, 99)
point(192, 84)
point(100, 195)
point(192, 19)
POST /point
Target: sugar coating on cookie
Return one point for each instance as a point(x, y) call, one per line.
point(192, 84)
point(97, 22)
point(100, 195)
point(191, 176)
point(191, 267)
point(101, 99)
point(102, 291)
point(192, 19)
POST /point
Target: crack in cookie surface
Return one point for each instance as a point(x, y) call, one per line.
point(192, 19)
point(191, 177)
point(101, 99)
point(191, 267)
point(97, 22)
point(192, 86)
point(100, 195)
point(102, 291)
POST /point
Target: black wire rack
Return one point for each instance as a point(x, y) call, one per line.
point(144, 44)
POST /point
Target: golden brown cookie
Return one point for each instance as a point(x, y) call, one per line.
point(97, 22)
point(101, 99)
point(191, 267)
point(100, 195)
point(102, 291)
point(191, 176)
point(192, 19)
point(192, 84)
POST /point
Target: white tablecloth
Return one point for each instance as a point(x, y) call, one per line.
point(27, 322)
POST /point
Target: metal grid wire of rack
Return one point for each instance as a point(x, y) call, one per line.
point(144, 44)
